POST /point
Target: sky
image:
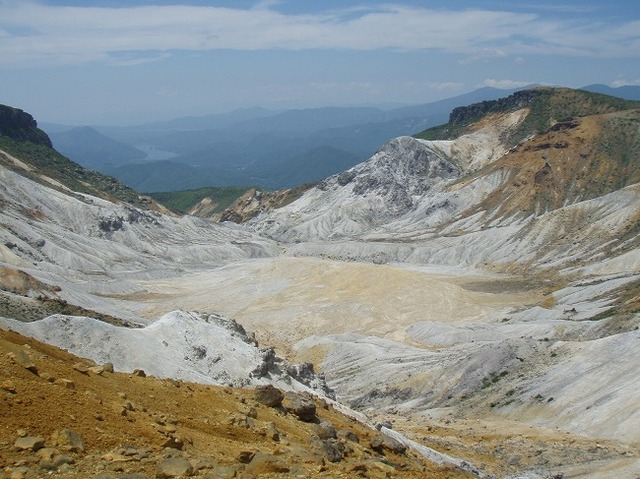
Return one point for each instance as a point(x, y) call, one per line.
point(124, 62)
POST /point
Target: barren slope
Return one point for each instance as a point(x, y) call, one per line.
point(139, 425)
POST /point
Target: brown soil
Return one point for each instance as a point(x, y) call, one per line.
point(127, 421)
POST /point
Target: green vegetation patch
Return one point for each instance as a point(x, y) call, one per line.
point(183, 201)
point(49, 162)
point(546, 107)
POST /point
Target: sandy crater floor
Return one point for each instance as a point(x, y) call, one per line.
point(286, 300)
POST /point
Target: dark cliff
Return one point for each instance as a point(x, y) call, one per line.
point(21, 126)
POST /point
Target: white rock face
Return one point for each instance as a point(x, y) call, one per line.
point(196, 347)
point(405, 204)
point(368, 195)
point(91, 247)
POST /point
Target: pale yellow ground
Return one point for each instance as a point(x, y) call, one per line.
point(285, 300)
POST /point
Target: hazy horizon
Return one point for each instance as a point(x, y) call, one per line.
point(122, 62)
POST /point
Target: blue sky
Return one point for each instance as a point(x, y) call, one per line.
point(126, 62)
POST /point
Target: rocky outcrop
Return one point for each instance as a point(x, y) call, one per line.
point(519, 99)
point(371, 194)
point(206, 348)
point(254, 202)
point(21, 126)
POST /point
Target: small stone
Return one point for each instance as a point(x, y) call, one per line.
point(140, 373)
point(29, 443)
point(108, 367)
point(22, 359)
point(81, 368)
point(245, 457)
point(9, 386)
point(65, 383)
point(19, 473)
point(97, 370)
point(174, 467)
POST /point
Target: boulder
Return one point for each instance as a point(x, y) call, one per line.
point(263, 463)
point(269, 395)
point(68, 440)
point(29, 443)
point(174, 467)
point(333, 450)
point(382, 442)
point(300, 405)
point(325, 430)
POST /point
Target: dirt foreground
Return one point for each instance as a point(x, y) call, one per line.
point(66, 417)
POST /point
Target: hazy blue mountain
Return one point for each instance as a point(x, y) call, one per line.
point(92, 149)
point(171, 176)
point(253, 146)
point(628, 92)
point(208, 122)
point(312, 165)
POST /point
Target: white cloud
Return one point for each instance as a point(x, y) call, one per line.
point(345, 86)
point(483, 54)
point(504, 84)
point(34, 33)
point(438, 86)
point(619, 83)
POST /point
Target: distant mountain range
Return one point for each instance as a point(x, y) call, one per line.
point(628, 92)
point(250, 146)
point(256, 147)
